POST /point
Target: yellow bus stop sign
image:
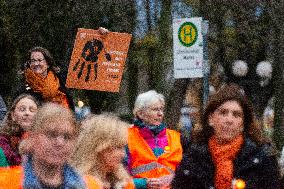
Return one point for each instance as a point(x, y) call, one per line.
point(187, 34)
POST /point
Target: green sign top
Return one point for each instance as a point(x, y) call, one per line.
point(187, 34)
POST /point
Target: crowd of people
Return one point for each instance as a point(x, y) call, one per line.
point(43, 146)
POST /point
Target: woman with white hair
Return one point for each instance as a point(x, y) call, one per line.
point(153, 151)
point(100, 151)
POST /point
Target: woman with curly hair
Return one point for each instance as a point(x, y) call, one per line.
point(100, 150)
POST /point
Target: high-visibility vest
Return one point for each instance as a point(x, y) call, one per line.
point(94, 183)
point(13, 177)
point(144, 163)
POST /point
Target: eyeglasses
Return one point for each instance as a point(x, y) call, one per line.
point(157, 109)
point(36, 60)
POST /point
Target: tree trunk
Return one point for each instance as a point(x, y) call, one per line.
point(276, 9)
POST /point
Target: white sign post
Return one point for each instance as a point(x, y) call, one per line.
point(188, 48)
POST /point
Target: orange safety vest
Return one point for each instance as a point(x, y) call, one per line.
point(94, 183)
point(12, 178)
point(144, 163)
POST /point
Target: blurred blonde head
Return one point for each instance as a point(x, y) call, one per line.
point(51, 111)
point(48, 113)
point(99, 133)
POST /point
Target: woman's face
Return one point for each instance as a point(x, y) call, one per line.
point(154, 114)
point(112, 157)
point(38, 63)
point(227, 121)
point(55, 142)
point(24, 112)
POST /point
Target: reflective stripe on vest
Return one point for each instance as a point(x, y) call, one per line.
point(144, 163)
point(148, 167)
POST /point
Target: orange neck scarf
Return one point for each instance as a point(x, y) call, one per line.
point(47, 86)
point(223, 156)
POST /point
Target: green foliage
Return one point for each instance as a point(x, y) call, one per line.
point(238, 31)
point(8, 52)
point(53, 25)
point(150, 41)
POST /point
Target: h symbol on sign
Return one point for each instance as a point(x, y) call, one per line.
point(189, 34)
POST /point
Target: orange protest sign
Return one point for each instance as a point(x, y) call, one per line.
point(97, 61)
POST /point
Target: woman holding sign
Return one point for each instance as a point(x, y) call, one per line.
point(43, 79)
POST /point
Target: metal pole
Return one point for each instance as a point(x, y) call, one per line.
point(206, 66)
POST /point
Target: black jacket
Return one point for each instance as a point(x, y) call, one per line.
point(256, 165)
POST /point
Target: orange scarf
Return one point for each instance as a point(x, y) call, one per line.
point(223, 156)
point(48, 87)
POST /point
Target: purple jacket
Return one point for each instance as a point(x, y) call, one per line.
point(12, 155)
point(159, 141)
point(156, 143)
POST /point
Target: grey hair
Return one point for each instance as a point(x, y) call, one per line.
point(144, 100)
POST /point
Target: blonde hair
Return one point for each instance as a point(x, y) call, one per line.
point(99, 133)
point(46, 114)
point(51, 111)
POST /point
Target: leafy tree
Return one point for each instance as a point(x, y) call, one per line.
point(53, 25)
point(251, 31)
point(8, 51)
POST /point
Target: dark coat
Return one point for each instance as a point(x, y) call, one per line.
point(25, 88)
point(256, 165)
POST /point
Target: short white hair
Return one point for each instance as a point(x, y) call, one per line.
point(144, 100)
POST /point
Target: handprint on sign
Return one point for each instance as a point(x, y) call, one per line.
point(90, 54)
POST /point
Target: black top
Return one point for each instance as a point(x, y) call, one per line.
point(256, 165)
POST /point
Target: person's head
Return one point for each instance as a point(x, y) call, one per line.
point(20, 116)
point(53, 134)
point(227, 115)
point(149, 107)
point(41, 61)
point(100, 147)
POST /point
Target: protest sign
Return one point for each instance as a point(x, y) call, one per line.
point(97, 60)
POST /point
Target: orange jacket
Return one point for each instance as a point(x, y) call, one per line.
point(144, 164)
point(12, 178)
